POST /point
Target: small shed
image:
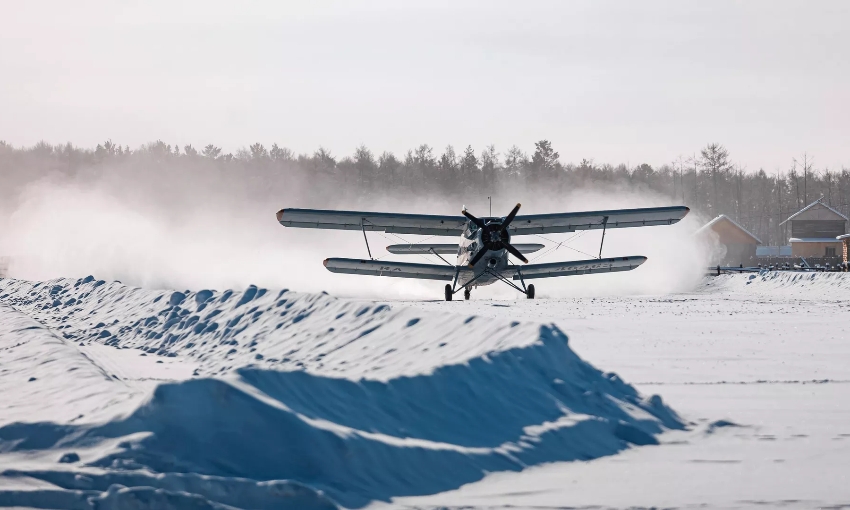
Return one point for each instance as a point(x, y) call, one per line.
point(732, 244)
point(815, 229)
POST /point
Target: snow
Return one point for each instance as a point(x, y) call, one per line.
point(277, 399)
point(767, 353)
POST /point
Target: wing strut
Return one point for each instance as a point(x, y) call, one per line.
point(363, 228)
point(432, 250)
point(519, 272)
point(604, 225)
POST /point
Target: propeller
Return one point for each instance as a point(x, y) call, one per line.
point(494, 235)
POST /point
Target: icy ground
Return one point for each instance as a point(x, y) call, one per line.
point(115, 397)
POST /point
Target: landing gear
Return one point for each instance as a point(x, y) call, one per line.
point(448, 292)
point(467, 293)
point(530, 292)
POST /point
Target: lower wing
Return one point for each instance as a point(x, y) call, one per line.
point(576, 267)
point(394, 269)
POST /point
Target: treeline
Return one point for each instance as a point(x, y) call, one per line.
point(710, 182)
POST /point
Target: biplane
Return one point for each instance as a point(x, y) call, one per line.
point(485, 243)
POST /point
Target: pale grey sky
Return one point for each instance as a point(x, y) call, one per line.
point(613, 81)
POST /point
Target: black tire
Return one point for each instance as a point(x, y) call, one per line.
point(467, 293)
point(530, 293)
point(448, 292)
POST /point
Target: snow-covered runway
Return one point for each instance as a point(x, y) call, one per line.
point(767, 353)
point(271, 399)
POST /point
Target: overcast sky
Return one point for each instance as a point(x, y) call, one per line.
point(612, 81)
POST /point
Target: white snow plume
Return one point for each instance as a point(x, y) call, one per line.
point(73, 229)
point(164, 231)
point(298, 400)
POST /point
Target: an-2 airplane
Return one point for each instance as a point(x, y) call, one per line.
point(482, 253)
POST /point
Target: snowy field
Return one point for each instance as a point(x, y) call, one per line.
point(734, 395)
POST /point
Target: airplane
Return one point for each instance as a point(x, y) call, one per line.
point(485, 243)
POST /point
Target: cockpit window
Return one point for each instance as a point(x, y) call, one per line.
point(471, 230)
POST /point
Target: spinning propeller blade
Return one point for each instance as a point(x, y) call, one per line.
point(516, 253)
point(473, 219)
point(477, 257)
point(510, 217)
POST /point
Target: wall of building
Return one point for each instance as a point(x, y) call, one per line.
point(814, 249)
point(740, 254)
point(733, 255)
point(817, 228)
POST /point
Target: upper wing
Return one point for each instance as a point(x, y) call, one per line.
point(577, 267)
point(396, 269)
point(449, 249)
point(617, 218)
point(426, 224)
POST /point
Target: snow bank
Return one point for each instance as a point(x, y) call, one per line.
point(37, 367)
point(798, 285)
point(299, 400)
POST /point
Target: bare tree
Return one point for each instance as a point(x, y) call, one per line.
point(715, 160)
point(807, 168)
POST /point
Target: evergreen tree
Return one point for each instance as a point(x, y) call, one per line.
point(544, 162)
point(469, 173)
point(211, 151)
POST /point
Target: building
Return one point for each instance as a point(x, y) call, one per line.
point(845, 247)
point(773, 251)
point(731, 244)
point(815, 229)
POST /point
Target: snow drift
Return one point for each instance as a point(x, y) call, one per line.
point(796, 284)
point(295, 401)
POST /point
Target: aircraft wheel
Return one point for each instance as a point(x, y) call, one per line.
point(448, 292)
point(530, 293)
point(467, 293)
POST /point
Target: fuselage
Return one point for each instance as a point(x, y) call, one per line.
point(471, 242)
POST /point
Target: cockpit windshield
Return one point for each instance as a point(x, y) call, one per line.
point(471, 230)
